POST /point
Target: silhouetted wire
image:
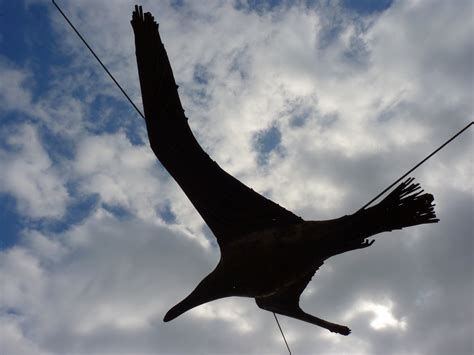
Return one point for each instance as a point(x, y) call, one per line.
point(281, 331)
point(98, 59)
point(417, 165)
point(141, 114)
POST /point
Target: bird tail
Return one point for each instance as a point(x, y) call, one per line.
point(405, 206)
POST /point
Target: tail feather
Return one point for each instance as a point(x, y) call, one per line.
point(407, 205)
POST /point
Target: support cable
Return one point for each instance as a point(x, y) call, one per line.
point(281, 331)
point(417, 165)
point(98, 59)
point(141, 114)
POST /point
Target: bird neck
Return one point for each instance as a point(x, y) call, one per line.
point(212, 287)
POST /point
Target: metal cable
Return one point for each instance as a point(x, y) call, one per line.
point(98, 59)
point(281, 331)
point(417, 165)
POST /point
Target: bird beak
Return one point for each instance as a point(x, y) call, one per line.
point(175, 312)
point(193, 300)
point(180, 308)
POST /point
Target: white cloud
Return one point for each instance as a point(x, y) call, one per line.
point(382, 315)
point(129, 176)
point(18, 342)
point(107, 275)
point(14, 93)
point(29, 175)
point(121, 173)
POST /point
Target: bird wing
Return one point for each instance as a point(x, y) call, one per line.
point(228, 206)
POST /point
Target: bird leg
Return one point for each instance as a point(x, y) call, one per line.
point(296, 312)
point(332, 327)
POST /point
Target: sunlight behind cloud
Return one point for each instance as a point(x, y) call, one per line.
point(382, 315)
point(114, 315)
point(228, 310)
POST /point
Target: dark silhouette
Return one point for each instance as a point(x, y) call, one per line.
point(267, 252)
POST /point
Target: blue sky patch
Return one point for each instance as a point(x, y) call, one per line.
point(27, 40)
point(10, 222)
point(362, 7)
point(114, 115)
point(367, 6)
point(201, 78)
point(259, 6)
point(118, 211)
point(177, 4)
point(167, 214)
point(76, 212)
point(200, 74)
point(300, 115)
point(265, 142)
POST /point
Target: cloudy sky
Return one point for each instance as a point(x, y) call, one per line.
point(318, 105)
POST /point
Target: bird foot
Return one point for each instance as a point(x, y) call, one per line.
point(340, 329)
point(367, 243)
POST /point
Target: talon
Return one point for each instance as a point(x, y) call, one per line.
point(341, 329)
point(366, 243)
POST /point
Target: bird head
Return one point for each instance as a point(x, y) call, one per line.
point(212, 287)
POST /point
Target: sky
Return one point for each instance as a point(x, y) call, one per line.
point(318, 105)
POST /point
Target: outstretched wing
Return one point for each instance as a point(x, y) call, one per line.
point(229, 207)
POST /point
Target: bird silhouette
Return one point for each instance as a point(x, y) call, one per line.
point(267, 252)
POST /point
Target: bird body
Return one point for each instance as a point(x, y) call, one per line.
point(264, 262)
point(267, 252)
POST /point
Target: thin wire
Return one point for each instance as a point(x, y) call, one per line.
point(98, 59)
point(281, 331)
point(417, 165)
